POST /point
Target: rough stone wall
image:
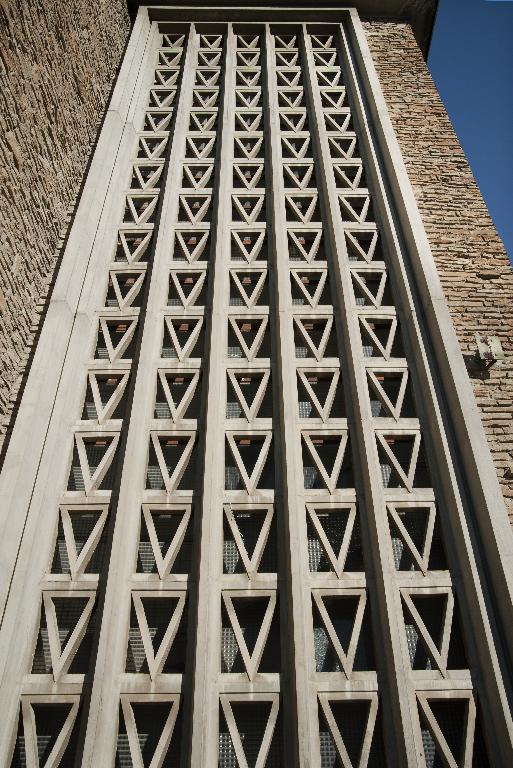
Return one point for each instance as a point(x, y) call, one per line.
point(57, 65)
point(471, 259)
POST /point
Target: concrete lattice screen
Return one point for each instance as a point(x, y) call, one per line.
point(252, 530)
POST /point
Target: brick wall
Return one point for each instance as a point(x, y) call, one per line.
point(473, 265)
point(57, 64)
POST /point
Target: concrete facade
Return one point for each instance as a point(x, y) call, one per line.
point(250, 517)
point(56, 67)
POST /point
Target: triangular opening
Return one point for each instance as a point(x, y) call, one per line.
point(432, 611)
point(315, 337)
point(287, 58)
point(207, 76)
point(356, 208)
point(324, 58)
point(205, 98)
point(250, 526)
point(159, 613)
point(151, 719)
point(295, 147)
point(248, 59)
point(132, 246)
point(363, 244)
point(341, 614)
point(83, 525)
point(248, 288)
point(291, 97)
point(161, 97)
point(203, 121)
point(167, 527)
point(248, 42)
point(169, 58)
point(289, 78)
point(320, 396)
point(334, 524)
point(50, 720)
point(326, 450)
point(249, 147)
point(108, 386)
point(196, 176)
point(252, 718)
point(349, 175)
point(166, 77)
point(371, 289)
point(353, 719)
point(248, 245)
point(191, 245)
point(195, 208)
point(381, 337)
point(391, 394)
point(249, 76)
point(249, 450)
point(247, 176)
point(201, 147)
point(248, 387)
point(69, 611)
point(451, 717)
point(310, 288)
point(242, 455)
point(94, 451)
point(248, 209)
point(140, 208)
point(298, 175)
point(187, 289)
point(403, 461)
point(146, 174)
point(183, 390)
point(96, 448)
point(188, 338)
point(247, 97)
point(250, 614)
point(415, 522)
point(151, 147)
point(84, 530)
point(178, 457)
point(302, 208)
point(306, 245)
point(342, 146)
point(248, 338)
point(116, 339)
point(62, 615)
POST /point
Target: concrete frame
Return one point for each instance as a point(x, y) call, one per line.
point(466, 487)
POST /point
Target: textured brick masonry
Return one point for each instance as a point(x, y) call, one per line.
point(471, 259)
point(57, 64)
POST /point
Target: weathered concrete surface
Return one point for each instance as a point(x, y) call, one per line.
point(471, 259)
point(57, 64)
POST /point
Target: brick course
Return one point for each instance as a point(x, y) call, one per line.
point(471, 259)
point(57, 64)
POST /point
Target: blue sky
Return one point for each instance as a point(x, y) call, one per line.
point(471, 61)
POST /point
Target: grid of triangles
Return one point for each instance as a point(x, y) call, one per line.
point(68, 616)
point(431, 638)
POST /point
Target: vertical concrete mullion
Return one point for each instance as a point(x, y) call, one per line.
point(100, 741)
point(205, 695)
point(397, 688)
point(299, 637)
